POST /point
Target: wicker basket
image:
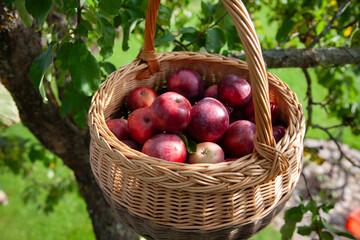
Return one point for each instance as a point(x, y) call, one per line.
point(167, 200)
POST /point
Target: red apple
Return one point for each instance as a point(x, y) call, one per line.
point(119, 127)
point(238, 140)
point(230, 159)
point(186, 82)
point(166, 146)
point(249, 113)
point(171, 112)
point(234, 91)
point(236, 114)
point(132, 144)
point(209, 120)
point(278, 132)
point(141, 127)
point(207, 152)
point(141, 97)
point(211, 91)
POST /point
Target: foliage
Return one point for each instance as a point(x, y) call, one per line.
point(75, 59)
point(318, 224)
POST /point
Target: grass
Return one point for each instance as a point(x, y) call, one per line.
point(20, 221)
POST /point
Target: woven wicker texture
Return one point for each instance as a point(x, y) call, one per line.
point(240, 196)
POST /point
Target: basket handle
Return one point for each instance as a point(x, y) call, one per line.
point(264, 142)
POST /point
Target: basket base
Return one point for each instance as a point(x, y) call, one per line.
point(155, 231)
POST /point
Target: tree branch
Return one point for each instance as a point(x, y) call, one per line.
point(304, 58)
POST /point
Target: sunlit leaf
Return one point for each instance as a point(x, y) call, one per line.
point(215, 39)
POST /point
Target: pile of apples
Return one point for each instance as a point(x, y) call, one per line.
point(188, 123)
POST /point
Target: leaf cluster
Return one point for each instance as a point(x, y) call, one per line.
point(318, 225)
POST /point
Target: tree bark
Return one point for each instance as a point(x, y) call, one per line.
point(19, 46)
point(305, 58)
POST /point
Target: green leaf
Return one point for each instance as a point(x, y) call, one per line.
point(9, 4)
point(284, 30)
point(129, 20)
point(108, 67)
point(117, 21)
point(75, 103)
point(39, 67)
point(165, 38)
point(215, 39)
point(39, 9)
point(84, 69)
point(24, 14)
point(42, 90)
point(312, 207)
point(292, 216)
point(110, 6)
point(232, 36)
point(305, 230)
point(208, 10)
point(128, 27)
point(83, 28)
point(62, 56)
point(336, 231)
point(106, 42)
point(325, 235)
point(80, 118)
point(189, 143)
point(355, 38)
point(36, 153)
point(164, 16)
point(55, 90)
point(188, 34)
point(67, 5)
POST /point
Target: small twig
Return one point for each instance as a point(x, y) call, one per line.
point(327, 28)
point(219, 20)
point(175, 40)
point(307, 186)
point(342, 154)
point(337, 126)
point(318, 229)
point(309, 96)
point(78, 16)
point(288, 39)
point(346, 26)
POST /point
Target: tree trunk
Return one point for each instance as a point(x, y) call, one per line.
point(19, 46)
